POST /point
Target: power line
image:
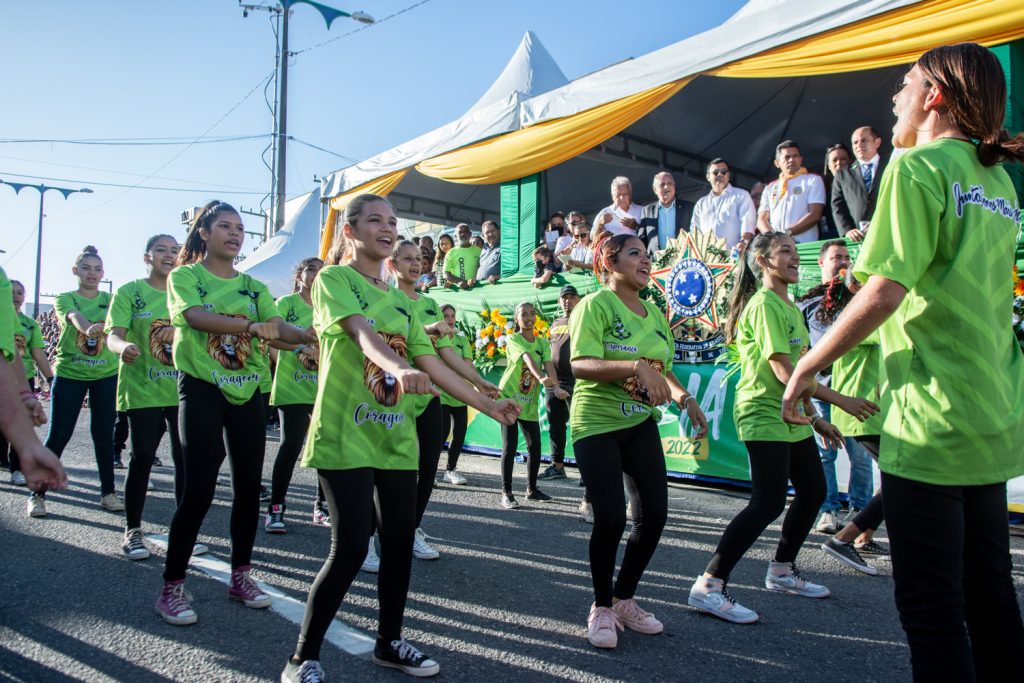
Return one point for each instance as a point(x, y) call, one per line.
point(21, 246)
point(132, 187)
point(135, 142)
point(413, 6)
point(317, 147)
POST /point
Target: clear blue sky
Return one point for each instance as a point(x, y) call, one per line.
point(78, 70)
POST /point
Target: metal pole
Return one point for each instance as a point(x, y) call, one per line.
point(282, 123)
point(39, 250)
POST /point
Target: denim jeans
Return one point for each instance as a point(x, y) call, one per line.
point(861, 486)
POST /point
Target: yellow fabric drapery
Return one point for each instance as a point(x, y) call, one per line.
point(382, 186)
point(889, 39)
point(530, 150)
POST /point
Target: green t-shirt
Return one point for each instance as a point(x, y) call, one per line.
point(79, 357)
point(601, 326)
point(462, 347)
point(362, 418)
point(151, 381)
point(945, 229)
point(429, 313)
point(462, 262)
point(517, 382)
point(229, 361)
point(28, 336)
point(7, 324)
point(261, 348)
point(859, 373)
point(768, 325)
point(295, 377)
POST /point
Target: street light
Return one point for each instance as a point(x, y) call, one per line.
point(329, 14)
point(67, 192)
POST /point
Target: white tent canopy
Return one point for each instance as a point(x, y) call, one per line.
point(275, 260)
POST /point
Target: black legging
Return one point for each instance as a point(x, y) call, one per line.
point(66, 397)
point(772, 465)
point(873, 514)
point(294, 425)
point(351, 497)
point(558, 419)
point(430, 428)
point(458, 418)
point(632, 456)
point(147, 428)
point(509, 444)
point(206, 419)
point(12, 455)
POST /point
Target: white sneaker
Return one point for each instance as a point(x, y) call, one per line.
point(18, 479)
point(709, 595)
point(587, 512)
point(791, 582)
point(112, 503)
point(133, 547)
point(421, 550)
point(36, 506)
point(200, 549)
point(454, 478)
point(371, 564)
point(828, 523)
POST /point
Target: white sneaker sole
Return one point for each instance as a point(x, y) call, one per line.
point(178, 621)
point(709, 609)
point(418, 672)
point(794, 591)
point(426, 556)
point(866, 568)
point(137, 557)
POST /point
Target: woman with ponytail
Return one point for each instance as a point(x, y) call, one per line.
point(621, 354)
point(218, 315)
point(937, 266)
point(139, 330)
point(84, 367)
point(376, 360)
point(770, 335)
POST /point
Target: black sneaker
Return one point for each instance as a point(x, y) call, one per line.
point(872, 548)
point(157, 462)
point(508, 501)
point(552, 472)
point(308, 671)
point(537, 495)
point(848, 555)
point(273, 522)
point(264, 494)
point(399, 654)
point(118, 464)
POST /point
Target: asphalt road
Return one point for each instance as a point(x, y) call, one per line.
point(507, 601)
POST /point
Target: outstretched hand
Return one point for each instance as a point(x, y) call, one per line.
point(799, 389)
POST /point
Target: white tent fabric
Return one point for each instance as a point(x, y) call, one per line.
point(757, 27)
point(275, 260)
point(530, 72)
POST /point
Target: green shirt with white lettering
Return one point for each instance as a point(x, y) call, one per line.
point(462, 262)
point(462, 347)
point(602, 326)
point(229, 361)
point(768, 325)
point(429, 313)
point(295, 377)
point(28, 336)
point(78, 356)
point(945, 229)
point(859, 373)
point(361, 417)
point(517, 382)
point(151, 381)
point(8, 326)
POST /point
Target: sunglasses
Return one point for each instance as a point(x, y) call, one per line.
point(719, 171)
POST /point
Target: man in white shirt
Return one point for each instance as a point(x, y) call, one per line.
point(623, 216)
point(727, 211)
point(796, 201)
point(855, 187)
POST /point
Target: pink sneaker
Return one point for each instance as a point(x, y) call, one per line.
point(631, 616)
point(173, 604)
point(244, 589)
point(601, 625)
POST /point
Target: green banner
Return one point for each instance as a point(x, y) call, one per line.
point(720, 455)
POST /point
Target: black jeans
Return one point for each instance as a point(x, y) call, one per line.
point(772, 465)
point(509, 443)
point(294, 425)
point(458, 418)
point(430, 428)
point(66, 397)
point(351, 497)
point(632, 456)
point(120, 432)
point(207, 420)
point(951, 567)
point(558, 420)
point(147, 427)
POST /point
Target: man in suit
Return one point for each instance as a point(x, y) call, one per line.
point(855, 187)
point(665, 218)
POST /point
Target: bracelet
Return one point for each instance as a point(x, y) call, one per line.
point(248, 327)
point(688, 397)
point(814, 419)
point(636, 367)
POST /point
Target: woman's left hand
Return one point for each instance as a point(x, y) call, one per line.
point(697, 417)
point(801, 386)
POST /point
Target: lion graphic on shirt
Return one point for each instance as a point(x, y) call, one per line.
point(230, 350)
point(526, 380)
point(161, 350)
point(383, 385)
point(19, 345)
point(88, 345)
point(633, 388)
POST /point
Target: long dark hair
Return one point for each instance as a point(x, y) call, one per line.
point(748, 278)
point(194, 248)
point(301, 267)
point(341, 251)
point(973, 88)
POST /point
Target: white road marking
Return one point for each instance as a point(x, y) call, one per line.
point(345, 638)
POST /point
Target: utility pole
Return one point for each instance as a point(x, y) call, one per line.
point(281, 114)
